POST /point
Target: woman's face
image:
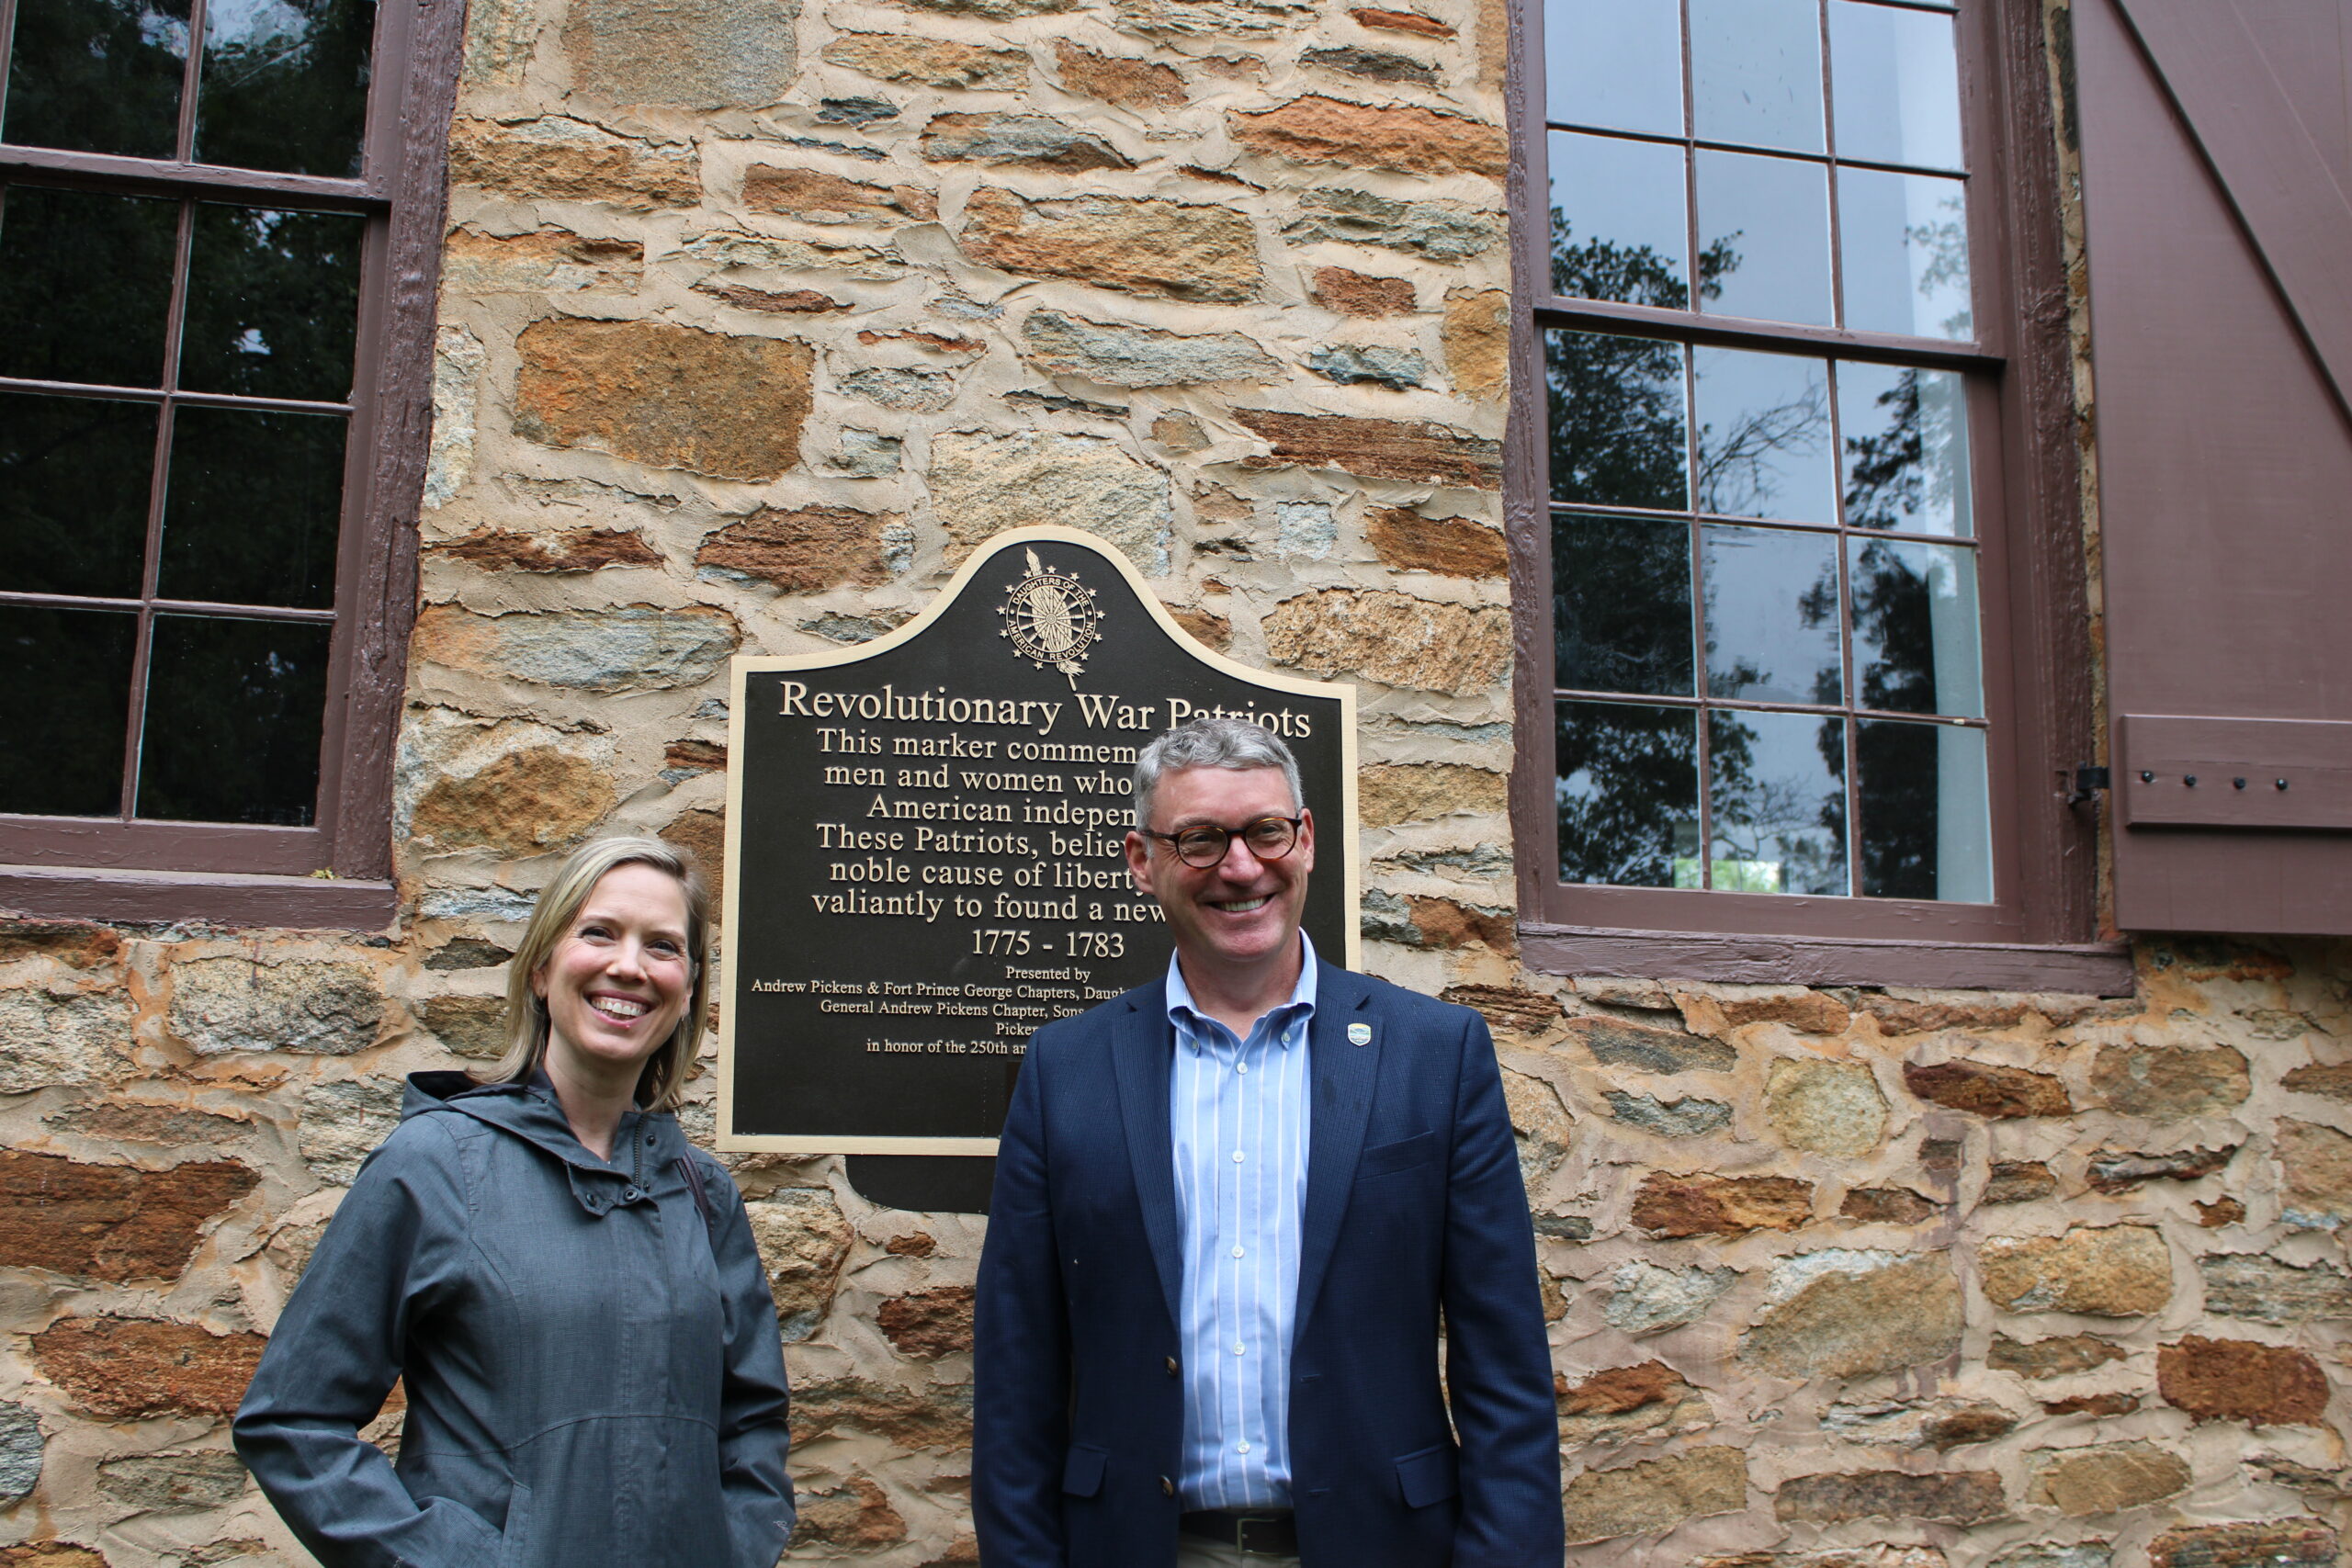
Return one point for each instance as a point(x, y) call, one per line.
point(619, 978)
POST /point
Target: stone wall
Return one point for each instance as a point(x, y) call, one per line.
point(755, 320)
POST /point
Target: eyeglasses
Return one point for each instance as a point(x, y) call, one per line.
point(1269, 838)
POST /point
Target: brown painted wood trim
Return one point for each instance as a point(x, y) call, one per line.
point(162, 177)
point(1742, 332)
point(81, 894)
point(1526, 513)
point(2101, 969)
point(108, 843)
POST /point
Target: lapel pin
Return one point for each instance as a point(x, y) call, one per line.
point(1359, 1035)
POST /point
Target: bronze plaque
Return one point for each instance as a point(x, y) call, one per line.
point(924, 834)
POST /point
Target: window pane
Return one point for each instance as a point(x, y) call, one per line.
point(98, 76)
point(253, 508)
point(1905, 242)
point(1915, 628)
point(1755, 72)
point(1776, 786)
point(1927, 831)
point(284, 84)
point(1764, 237)
point(73, 477)
point(85, 282)
point(64, 705)
point(233, 711)
point(1617, 420)
point(1621, 604)
point(1617, 222)
point(1763, 436)
point(1628, 792)
point(1895, 85)
point(1905, 434)
point(1772, 604)
point(273, 303)
point(1616, 63)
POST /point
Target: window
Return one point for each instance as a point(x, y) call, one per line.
point(1786, 490)
point(200, 360)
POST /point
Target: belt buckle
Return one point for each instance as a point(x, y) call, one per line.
point(1242, 1530)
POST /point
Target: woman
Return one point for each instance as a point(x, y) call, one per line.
point(570, 1291)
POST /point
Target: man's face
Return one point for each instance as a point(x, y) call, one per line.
point(1242, 912)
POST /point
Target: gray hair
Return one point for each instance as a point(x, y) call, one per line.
point(1212, 743)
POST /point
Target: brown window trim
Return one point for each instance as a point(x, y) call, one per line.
point(105, 869)
point(2043, 933)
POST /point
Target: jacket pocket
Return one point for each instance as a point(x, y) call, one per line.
point(1428, 1476)
point(1402, 1155)
point(515, 1542)
point(1082, 1470)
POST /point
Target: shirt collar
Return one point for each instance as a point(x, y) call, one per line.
point(1191, 1022)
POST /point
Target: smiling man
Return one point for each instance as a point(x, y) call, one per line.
point(1234, 1211)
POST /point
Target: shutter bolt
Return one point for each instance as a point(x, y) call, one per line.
point(2190, 780)
point(2147, 777)
point(2282, 783)
point(2238, 783)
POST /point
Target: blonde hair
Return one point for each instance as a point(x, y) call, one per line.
point(663, 1081)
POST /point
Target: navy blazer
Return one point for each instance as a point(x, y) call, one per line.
point(1414, 1207)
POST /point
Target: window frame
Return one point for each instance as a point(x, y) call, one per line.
point(336, 872)
point(2041, 931)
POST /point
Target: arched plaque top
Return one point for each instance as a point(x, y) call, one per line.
point(922, 843)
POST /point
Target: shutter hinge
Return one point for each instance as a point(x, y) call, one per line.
point(2089, 781)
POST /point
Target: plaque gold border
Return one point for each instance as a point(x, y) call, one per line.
point(743, 666)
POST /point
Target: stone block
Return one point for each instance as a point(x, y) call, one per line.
point(2238, 1379)
point(929, 61)
point(1408, 451)
point(2120, 1170)
point(74, 943)
point(111, 1221)
point(1439, 231)
point(20, 1452)
point(1807, 1013)
point(2247, 1284)
point(1205, 18)
point(2107, 1479)
point(1475, 336)
point(804, 551)
point(2105, 1406)
point(1825, 1107)
point(1686, 1118)
point(1389, 795)
point(57, 1039)
point(2299, 1542)
point(811, 196)
point(785, 257)
point(929, 1324)
point(528, 801)
point(2018, 1182)
point(180, 1483)
point(1649, 1401)
point(2167, 1083)
point(1941, 1425)
point(904, 390)
point(1955, 1497)
point(1401, 138)
point(343, 1121)
point(859, 111)
point(1373, 64)
point(1451, 547)
point(1017, 140)
point(473, 1027)
point(2333, 1081)
point(1120, 356)
point(219, 1005)
point(668, 397)
point(803, 1240)
point(1988, 1088)
point(1705, 1204)
point(1507, 1008)
point(854, 1517)
point(1844, 1314)
point(1645, 1298)
point(935, 1416)
point(633, 648)
point(1345, 292)
point(983, 484)
point(2062, 1356)
point(1402, 22)
point(1362, 365)
point(139, 1121)
point(1882, 1555)
point(1140, 86)
point(1887, 1206)
point(1396, 639)
point(545, 261)
point(569, 159)
point(867, 455)
point(2110, 1271)
point(691, 54)
point(703, 835)
point(1204, 626)
point(1181, 250)
point(2315, 1168)
point(2052, 1554)
point(574, 549)
point(127, 1369)
point(1655, 1495)
point(1616, 1044)
point(51, 1554)
point(1540, 1124)
point(1904, 1015)
point(993, 10)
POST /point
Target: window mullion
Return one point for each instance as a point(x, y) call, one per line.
point(191, 74)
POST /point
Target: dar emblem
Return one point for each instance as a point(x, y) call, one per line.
point(1051, 618)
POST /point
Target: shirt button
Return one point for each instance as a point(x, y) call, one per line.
point(631, 1195)
point(1237, 1252)
point(1236, 1157)
point(1167, 1487)
point(1242, 1448)
point(1172, 1366)
point(1242, 1349)
point(1241, 1067)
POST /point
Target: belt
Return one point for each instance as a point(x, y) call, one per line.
point(1268, 1532)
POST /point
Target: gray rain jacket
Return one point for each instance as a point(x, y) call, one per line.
point(594, 1374)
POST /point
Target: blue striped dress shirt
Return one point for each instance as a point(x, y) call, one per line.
point(1239, 1113)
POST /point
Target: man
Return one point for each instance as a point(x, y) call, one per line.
point(1230, 1207)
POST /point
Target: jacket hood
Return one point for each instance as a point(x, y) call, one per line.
point(529, 1111)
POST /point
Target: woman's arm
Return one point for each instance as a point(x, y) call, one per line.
point(334, 1354)
point(754, 1404)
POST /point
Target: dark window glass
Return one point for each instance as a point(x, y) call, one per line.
point(1763, 436)
point(1915, 626)
point(1898, 85)
point(1617, 420)
point(63, 708)
point(86, 285)
point(74, 483)
point(1621, 604)
point(273, 303)
point(1771, 605)
point(1615, 64)
point(1627, 793)
point(1926, 831)
point(233, 709)
point(253, 508)
point(1776, 800)
point(1906, 434)
point(1755, 72)
point(98, 76)
point(1766, 222)
point(1905, 239)
point(1627, 238)
point(284, 84)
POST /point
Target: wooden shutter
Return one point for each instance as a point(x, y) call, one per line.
point(2215, 162)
